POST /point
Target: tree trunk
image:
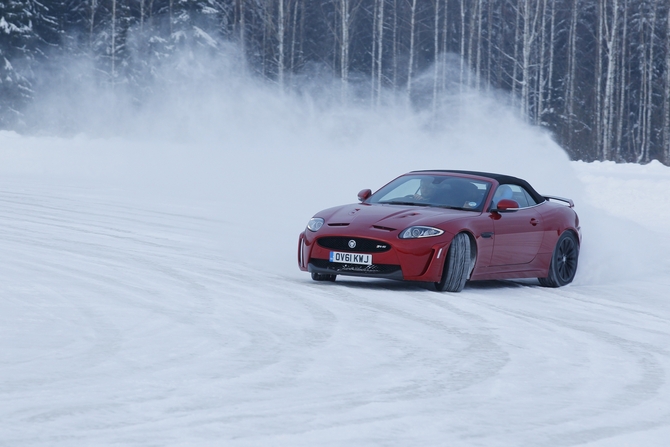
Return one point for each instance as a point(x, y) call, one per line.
point(622, 84)
point(602, 10)
point(113, 42)
point(462, 42)
point(242, 24)
point(395, 45)
point(294, 30)
point(540, 89)
point(280, 44)
point(552, 34)
point(515, 61)
point(373, 54)
point(410, 67)
point(478, 59)
point(436, 54)
point(377, 52)
point(344, 48)
point(169, 16)
point(142, 15)
point(445, 40)
point(91, 25)
point(646, 149)
point(489, 47)
point(570, 81)
point(608, 103)
point(471, 41)
point(641, 115)
point(380, 49)
point(666, 96)
point(530, 17)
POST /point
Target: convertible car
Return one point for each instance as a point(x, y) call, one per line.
point(446, 227)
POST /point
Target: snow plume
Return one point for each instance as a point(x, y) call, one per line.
point(200, 105)
point(207, 131)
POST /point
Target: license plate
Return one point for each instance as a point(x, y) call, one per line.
point(350, 258)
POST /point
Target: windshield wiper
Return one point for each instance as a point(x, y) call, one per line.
point(395, 202)
point(449, 207)
point(459, 208)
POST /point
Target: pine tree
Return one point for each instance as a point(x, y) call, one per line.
point(26, 29)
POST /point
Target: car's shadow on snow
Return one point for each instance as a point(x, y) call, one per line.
point(382, 284)
point(501, 284)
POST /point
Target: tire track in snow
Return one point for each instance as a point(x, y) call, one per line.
point(587, 331)
point(150, 333)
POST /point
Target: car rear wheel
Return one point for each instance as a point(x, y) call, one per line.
point(563, 265)
point(456, 266)
point(323, 277)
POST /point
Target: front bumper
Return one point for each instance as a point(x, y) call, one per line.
point(405, 259)
point(336, 268)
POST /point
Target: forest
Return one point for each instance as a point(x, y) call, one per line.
point(594, 73)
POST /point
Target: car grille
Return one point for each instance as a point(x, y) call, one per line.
point(374, 269)
point(362, 245)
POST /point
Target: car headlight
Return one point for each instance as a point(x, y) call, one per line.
point(420, 231)
point(315, 223)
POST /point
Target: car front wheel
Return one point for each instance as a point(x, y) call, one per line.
point(456, 266)
point(563, 265)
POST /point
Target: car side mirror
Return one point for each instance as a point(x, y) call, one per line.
point(364, 194)
point(506, 206)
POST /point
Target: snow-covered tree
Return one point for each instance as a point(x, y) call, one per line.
point(25, 31)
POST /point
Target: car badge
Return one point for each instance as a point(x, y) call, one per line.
point(352, 243)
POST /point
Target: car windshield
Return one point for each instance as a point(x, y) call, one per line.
point(434, 190)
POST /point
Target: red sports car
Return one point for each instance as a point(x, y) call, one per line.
point(446, 227)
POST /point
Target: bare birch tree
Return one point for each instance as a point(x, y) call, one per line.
point(241, 23)
point(445, 40)
point(462, 43)
point(622, 82)
point(531, 11)
point(515, 59)
point(489, 46)
point(611, 32)
point(377, 51)
point(474, 14)
point(91, 22)
point(281, 18)
point(649, 105)
point(539, 91)
point(113, 43)
point(410, 64)
point(380, 48)
point(346, 10)
point(436, 54)
point(570, 77)
point(666, 96)
point(552, 35)
point(395, 45)
point(294, 33)
point(478, 58)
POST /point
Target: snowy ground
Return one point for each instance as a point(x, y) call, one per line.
point(150, 295)
point(130, 323)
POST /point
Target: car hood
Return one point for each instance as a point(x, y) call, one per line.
point(388, 217)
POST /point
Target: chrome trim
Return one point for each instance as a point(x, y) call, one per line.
point(523, 208)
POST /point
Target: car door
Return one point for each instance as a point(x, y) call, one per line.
point(517, 234)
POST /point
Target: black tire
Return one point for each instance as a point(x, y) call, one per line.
point(564, 262)
point(323, 277)
point(456, 266)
